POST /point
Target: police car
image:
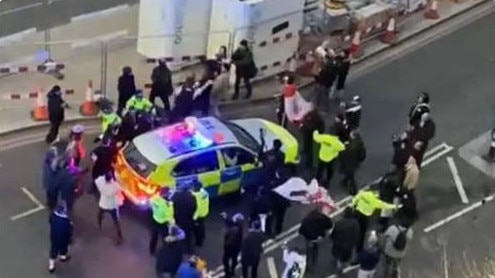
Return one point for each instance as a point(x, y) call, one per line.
point(222, 155)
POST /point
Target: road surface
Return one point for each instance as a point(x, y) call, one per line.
point(456, 70)
point(44, 14)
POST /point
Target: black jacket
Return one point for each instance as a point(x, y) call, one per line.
point(126, 87)
point(184, 209)
point(56, 111)
point(416, 111)
point(244, 62)
point(184, 103)
point(60, 229)
point(202, 102)
point(423, 133)
point(315, 225)
point(161, 78)
point(345, 235)
point(353, 155)
point(252, 246)
point(328, 74)
point(232, 238)
point(169, 257)
point(311, 122)
point(342, 67)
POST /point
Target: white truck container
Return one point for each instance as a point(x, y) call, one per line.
point(271, 26)
point(176, 30)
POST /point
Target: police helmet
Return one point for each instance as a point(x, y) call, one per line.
point(356, 98)
point(139, 93)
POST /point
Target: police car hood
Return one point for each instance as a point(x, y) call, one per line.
point(253, 126)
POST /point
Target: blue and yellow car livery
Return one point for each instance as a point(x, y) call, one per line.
point(222, 155)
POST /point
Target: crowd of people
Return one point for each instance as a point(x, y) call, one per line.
point(178, 216)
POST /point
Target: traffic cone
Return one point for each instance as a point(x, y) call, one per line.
point(89, 106)
point(432, 12)
point(355, 49)
point(40, 110)
point(390, 36)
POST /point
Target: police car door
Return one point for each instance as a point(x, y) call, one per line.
point(236, 162)
point(200, 166)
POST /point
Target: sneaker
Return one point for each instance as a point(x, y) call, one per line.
point(51, 266)
point(64, 258)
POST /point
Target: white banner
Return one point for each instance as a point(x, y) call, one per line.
point(297, 190)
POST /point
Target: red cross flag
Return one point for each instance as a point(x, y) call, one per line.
point(297, 190)
point(296, 107)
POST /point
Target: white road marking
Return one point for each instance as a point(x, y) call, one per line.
point(457, 180)
point(459, 214)
point(22, 8)
point(39, 206)
point(346, 270)
point(100, 13)
point(272, 268)
point(292, 234)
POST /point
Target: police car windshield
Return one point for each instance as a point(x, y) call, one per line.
point(243, 136)
point(138, 162)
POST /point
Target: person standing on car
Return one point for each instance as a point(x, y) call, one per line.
point(245, 68)
point(126, 87)
point(56, 112)
point(350, 160)
point(161, 85)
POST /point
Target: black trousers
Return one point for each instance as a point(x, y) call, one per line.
point(363, 221)
point(51, 200)
point(53, 131)
point(59, 247)
point(349, 182)
point(322, 167)
point(307, 138)
point(312, 252)
point(237, 84)
point(114, 214)
point(230, 261)
point(157, 230)
point(276, 222)
point(163, 97)
point(199, 232)
point(250, 267)
point(341, 79)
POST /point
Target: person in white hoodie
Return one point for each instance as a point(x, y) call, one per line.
point(295, 263)
point(109, 201)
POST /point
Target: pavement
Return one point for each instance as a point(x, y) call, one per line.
point(460, 82)
point(83, 57)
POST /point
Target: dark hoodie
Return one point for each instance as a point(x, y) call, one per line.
point(126, 87)
point(49, 173)
point(169, 257)
point(56, 112)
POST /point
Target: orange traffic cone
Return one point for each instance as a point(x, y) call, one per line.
point(432, 12)
point(355, 49)
point(40, 110)
point(390, 36)
point(89, 106)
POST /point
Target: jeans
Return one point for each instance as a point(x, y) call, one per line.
point(250, 267)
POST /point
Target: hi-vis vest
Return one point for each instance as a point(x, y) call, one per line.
point(367, 202)
point(108, 120)
point(142, 104)
point(162, 210)
point(202, 204)
point(330, 146)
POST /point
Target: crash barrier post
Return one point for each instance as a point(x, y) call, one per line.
point(390, 36)
point(432, 11)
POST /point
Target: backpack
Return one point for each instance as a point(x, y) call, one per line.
point(401, 240)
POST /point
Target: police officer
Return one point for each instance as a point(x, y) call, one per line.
point(162, 210)
point(138, 103)
point(202, 211)
point(365, 203)
point(60, 236)
point(352, 112)
point(109, 118)
point(330, 147)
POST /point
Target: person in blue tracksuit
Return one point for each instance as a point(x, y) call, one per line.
point(67, 183)
point(188, 269)
point(50, 171)
point(60, 236)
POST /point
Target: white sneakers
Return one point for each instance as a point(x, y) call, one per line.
point(51, 263)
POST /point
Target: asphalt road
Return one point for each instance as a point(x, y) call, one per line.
point(45, 14)
point(457, 70)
